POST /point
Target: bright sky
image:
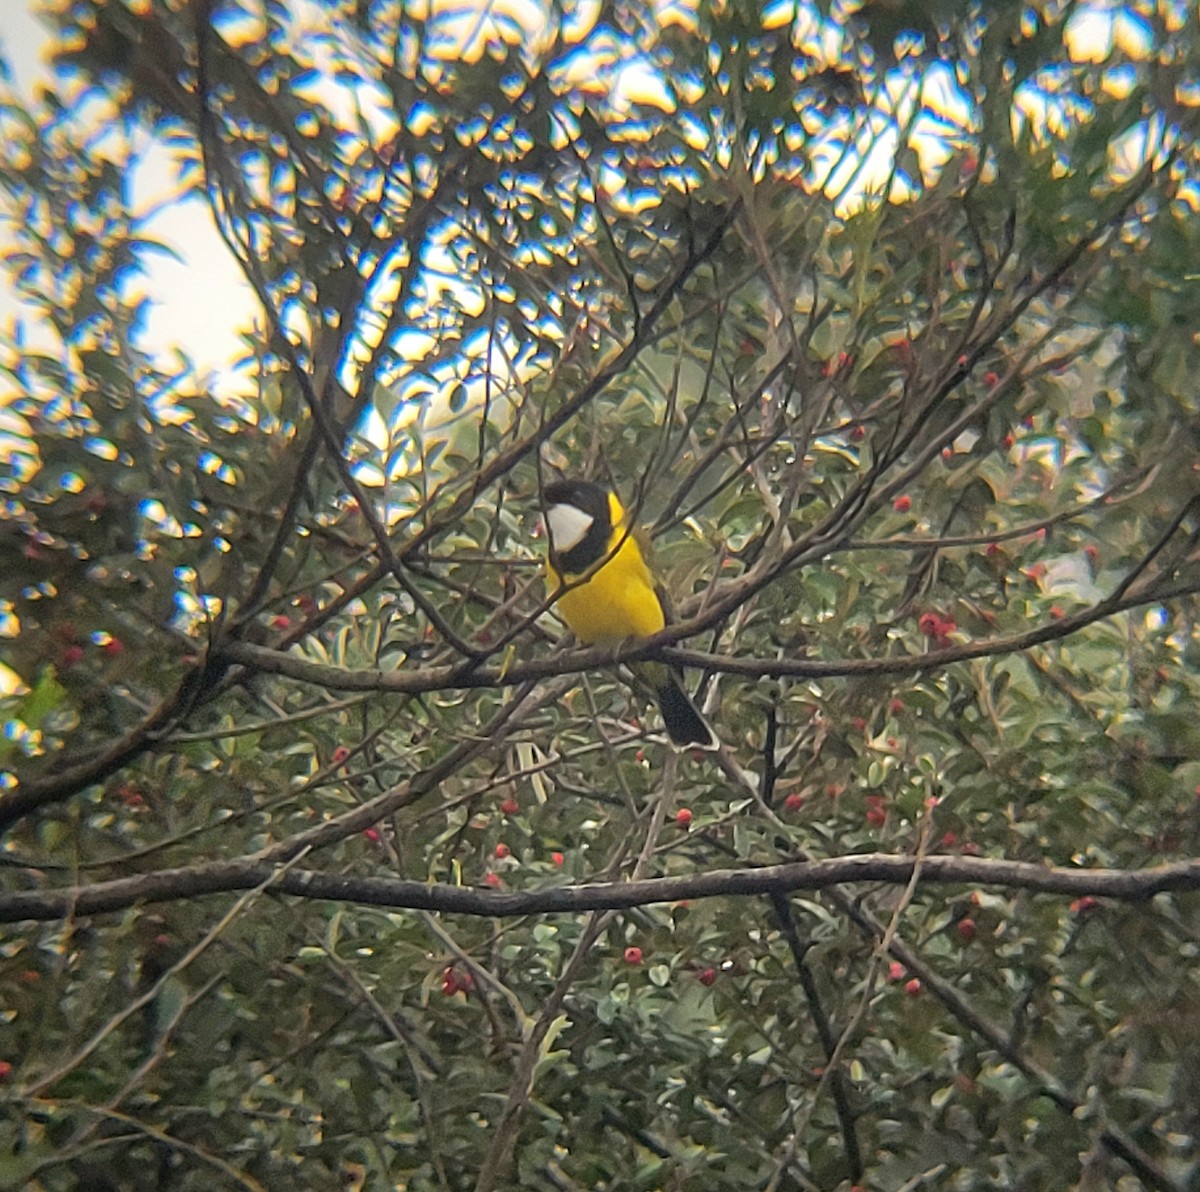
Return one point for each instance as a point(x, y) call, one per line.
point(201, 301)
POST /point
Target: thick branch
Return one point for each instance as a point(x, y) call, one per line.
point(413, 682)
point(228, 876)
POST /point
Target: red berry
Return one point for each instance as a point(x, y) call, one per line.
point(877, 817)
point(339, 755)
point(281, 622)
point(707, 976)
point(949, 840)
point(1056, 612)
point(858, 433)
point(930, 624)
point(902, 504)
point(896, 971)
point(683, 817)
point(557, 858)
point(1092, 551)
point(455, 982)
point(969, 849)
point(510, 806)
point(494, 880)
point(896, 706)
point(794, 802)
point(1008, 442)
point(113, 647)
point(372, 834)
point(502, 850)
point(913, 988)
point(966, 930)
point(859, 722)
point(5, 1071)
point(1084, 905)
point(991, 378)
point(640, 756)
point(633, 955)
point(992, 549)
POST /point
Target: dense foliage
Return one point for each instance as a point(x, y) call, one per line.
point(329, 858)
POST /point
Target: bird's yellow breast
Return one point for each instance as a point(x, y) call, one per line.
point(618, 601)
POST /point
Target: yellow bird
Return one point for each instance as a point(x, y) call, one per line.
point(618, 599)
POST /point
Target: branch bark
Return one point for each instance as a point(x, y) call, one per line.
point(224, 877)
point(269, 661)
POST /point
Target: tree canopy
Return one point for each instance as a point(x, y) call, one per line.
point(329, 857)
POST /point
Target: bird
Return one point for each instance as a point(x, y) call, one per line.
point(610, 593)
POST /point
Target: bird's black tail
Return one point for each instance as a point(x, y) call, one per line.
point(685, 725)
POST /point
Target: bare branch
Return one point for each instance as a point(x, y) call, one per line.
point(223, 877)
point(574, 661)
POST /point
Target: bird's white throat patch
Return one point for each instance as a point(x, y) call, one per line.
point(567, 526)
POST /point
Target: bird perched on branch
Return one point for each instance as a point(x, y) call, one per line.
point(610, 594)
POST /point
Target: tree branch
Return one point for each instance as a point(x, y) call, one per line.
point(224, 877)
point(1115, 1139)
point(838, 1087)
point(336, 678)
